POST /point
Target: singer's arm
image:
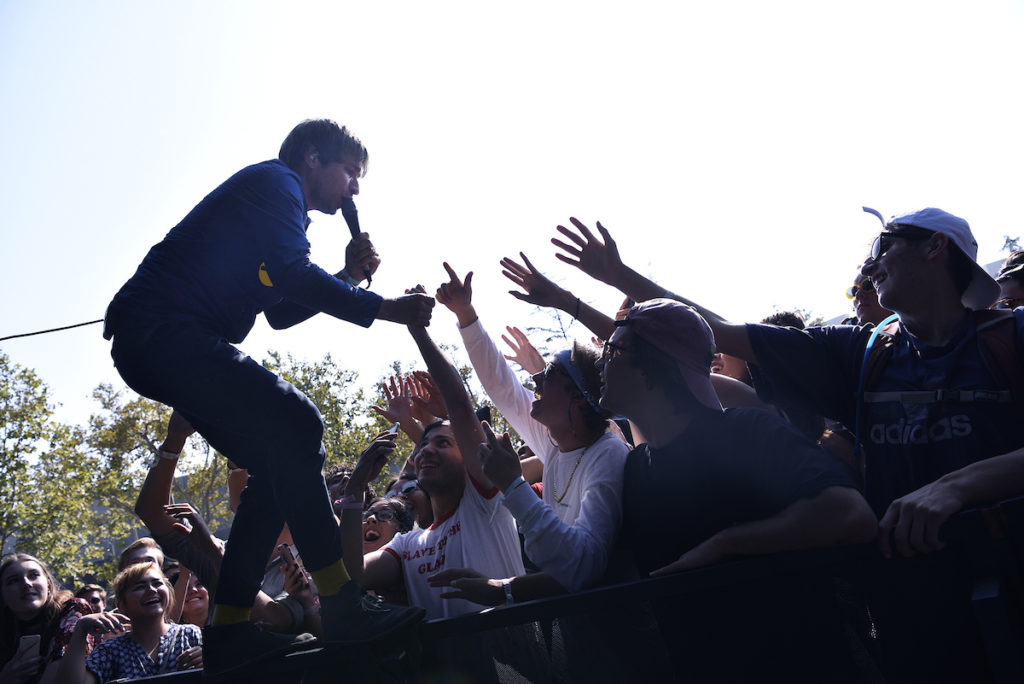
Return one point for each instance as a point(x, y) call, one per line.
point(360, 256)
point(308, 289)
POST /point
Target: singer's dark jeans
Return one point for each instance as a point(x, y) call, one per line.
point(260, 422)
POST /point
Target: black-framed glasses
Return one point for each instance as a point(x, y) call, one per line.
point(405, 490)
point(381, 514)
point(883, 243)
point(611, 351)
point(1009, 303)
point(864, 284)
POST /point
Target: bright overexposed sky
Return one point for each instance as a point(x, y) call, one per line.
point(728, 146)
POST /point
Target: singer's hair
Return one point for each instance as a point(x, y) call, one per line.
point(332, 142)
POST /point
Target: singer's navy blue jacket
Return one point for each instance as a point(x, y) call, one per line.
point(242, 250)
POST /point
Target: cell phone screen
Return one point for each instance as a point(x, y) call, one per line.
point(29, 643)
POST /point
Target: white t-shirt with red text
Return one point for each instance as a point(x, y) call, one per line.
point(468, 538)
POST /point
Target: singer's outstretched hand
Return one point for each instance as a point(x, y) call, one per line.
point(360, 257)
point(410, 309)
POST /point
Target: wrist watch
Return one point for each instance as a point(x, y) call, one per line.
point(507, 586)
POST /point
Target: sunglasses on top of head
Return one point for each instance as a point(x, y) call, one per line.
point(409, 487)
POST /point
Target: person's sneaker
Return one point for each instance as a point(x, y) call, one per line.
point(229, 647)
point(352, 615)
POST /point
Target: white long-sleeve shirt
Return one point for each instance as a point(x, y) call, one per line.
point(571, 539)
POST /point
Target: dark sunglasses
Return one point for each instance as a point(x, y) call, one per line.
point(95, 600)
point(864, 285)
point(883, 243)
point(406, 489)
point(381, 514)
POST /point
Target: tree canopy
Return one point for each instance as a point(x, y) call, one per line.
point(67, 492)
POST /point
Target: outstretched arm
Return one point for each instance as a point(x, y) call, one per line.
point(156, 490)
point(541, 291)
point(915, 520)
point(468, 433)
point(378, 569)
point(476, 587)
point(600, 260)
point(72, 665)
point(836, 516)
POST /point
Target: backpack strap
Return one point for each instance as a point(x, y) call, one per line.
point(874, 361)
point(997, 344)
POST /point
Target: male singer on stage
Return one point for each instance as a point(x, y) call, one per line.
point(240, 251)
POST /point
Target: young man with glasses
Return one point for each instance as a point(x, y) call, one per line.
point(928, 457)
point(712, 484)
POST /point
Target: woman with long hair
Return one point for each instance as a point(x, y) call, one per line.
point(36, 619)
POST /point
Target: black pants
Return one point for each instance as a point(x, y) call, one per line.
point(260, 422)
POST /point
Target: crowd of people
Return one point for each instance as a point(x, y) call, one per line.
point(673, 440)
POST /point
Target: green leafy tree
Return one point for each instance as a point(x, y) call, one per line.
point(25, 414)
point(62, 525)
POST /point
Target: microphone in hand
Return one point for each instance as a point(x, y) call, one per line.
point(351, 214)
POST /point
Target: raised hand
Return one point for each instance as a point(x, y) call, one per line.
point(457, 295)
point(399, 408)
point(599, 260)
point(469, 584)
point(297, 583)
point(427, 403)
point(523, 352)
point(199, 533)
point(178, 432)
point(540, 290)
point(371, 462)
point(360, 255)
point(499, 459)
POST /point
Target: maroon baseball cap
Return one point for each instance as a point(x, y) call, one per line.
point(679, 331)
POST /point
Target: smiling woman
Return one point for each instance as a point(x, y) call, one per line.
point(36, 620)
point(153, 646)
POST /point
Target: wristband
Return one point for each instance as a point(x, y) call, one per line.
point(507, 586)
point(349, 503)
point(347, 278)
point(168, 455)
point(518, 482)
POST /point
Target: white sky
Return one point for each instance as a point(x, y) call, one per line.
point(728, 146)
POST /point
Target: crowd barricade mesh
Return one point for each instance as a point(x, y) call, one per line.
point(739, 611)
